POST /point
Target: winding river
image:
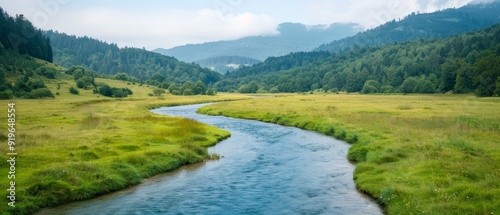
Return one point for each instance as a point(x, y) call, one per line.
point(265, 169)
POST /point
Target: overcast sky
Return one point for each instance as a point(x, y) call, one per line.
point(168, 23)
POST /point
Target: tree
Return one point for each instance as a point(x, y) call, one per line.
point(497, 90)
point(158, 92)
point(199, 88)
point(409, 85)
point(122, 77)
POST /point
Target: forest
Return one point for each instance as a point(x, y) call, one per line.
point(461, 64)
point(440, 24)
point(19, 35)
point(109, 59)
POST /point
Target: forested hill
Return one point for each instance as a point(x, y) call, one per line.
point(109, 59)
point(460, 64)
point(293, 37)
point(19, 35)
point(441, 24)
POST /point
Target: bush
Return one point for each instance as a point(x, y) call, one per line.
point(188, 92)
point(6, 94)
point(274, 90)
point(73, 90)
point(176, 92)
point(41, 93)
point(212, 92)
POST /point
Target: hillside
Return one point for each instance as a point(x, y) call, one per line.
point(25, 56)
point(460, 64)
point(109, 59)
point(19, 35)
point(292, 38)
point(441, 24)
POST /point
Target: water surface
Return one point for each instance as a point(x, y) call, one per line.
point(265, 169)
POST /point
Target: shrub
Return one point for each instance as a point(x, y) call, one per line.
point(73, 90)
point(188, 92)
point(212, 92)
point(6, 94)
point(41, 93)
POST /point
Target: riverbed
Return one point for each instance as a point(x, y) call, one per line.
point(264, 169)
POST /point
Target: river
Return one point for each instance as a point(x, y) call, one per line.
point(264, 169)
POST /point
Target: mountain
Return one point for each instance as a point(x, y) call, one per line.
point(292, 37)
point(441, 24)
point(459, 64)
point(108, 59)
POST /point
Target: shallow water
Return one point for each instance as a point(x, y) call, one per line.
point(265, 169)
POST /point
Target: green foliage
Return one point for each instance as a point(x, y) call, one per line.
point(417, 26)
point(73, 90)
point(20, 36)
point(138, 65)
point(212, 92)
point(6, 94)
point(41, 93)
point(122, 77)
point(423, 66)
point(106, 90)
point(158, 92)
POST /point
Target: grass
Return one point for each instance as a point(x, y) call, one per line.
point(415, 154)
point(77, 147)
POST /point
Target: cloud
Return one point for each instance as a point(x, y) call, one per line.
point(163, 28)
point(370, 13)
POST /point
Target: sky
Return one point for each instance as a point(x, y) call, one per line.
point(167, 23)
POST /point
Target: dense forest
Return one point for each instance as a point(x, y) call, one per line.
point(19, 35)
point(109, 59)
point(460, 64)
point(271, 65)
point(21, 75)
point(441, 24)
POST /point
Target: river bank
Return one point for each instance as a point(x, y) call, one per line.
point(415, 154)
point(266, 169)
point(78, 147)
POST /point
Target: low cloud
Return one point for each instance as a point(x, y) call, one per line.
point(164, 28)
point(370, 14)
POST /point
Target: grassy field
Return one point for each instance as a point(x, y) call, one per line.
point(415, 154)
point(76, 147)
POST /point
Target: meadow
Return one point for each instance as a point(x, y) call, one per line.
point(76, 147)
point(415, 154)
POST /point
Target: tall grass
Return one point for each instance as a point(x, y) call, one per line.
point(418, 154)
point(77, 147)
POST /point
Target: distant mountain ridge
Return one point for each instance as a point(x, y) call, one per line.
point(440, 24)
point(293, 37)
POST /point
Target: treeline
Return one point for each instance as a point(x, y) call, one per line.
point(19, 35)
point(460, 64)
point(231, 81)
point(441, 24)
point(109, 59)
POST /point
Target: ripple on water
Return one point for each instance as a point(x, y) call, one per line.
point(266, 169)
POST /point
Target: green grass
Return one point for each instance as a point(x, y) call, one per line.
point(76, 147)
point(415, 154)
